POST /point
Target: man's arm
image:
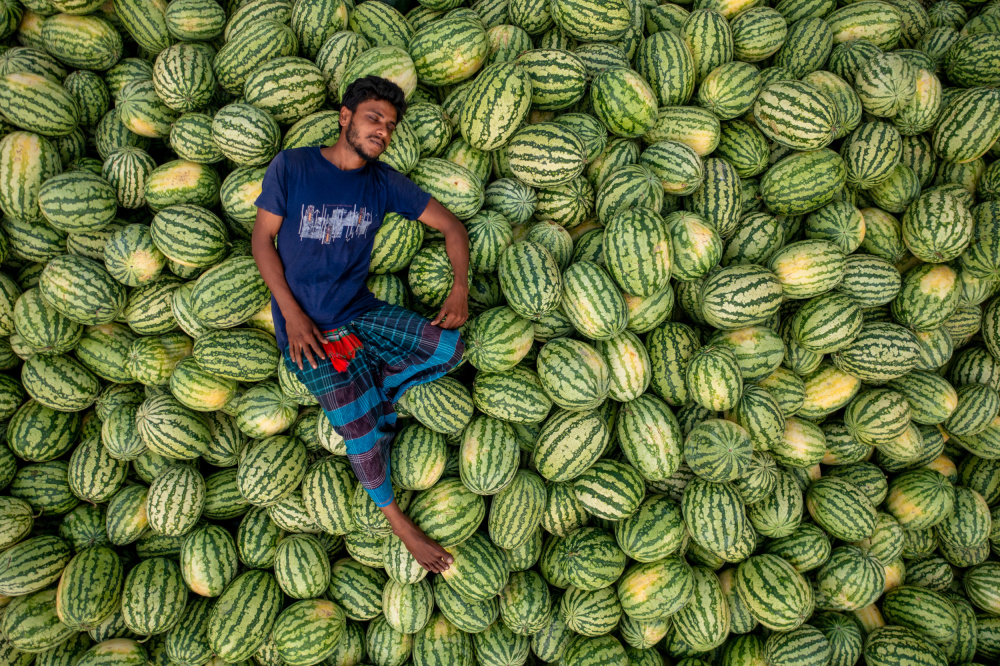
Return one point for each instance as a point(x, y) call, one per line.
point(304, 338)
point(455, 309)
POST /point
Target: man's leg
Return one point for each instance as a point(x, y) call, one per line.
point(411, 349)
point(360, 412)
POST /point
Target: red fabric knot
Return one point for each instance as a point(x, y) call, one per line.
point(341, 350)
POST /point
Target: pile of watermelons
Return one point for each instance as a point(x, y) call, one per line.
point(730, 394)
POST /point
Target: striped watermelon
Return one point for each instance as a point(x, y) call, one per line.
point(244, 615)
point(154, 596)
point(774, 592)
point(90, 588)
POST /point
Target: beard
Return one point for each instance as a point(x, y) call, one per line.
point(359, 145)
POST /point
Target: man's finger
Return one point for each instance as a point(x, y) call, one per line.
point(317, 347)
point(440, 316)
point(319, 339)
point(309, 354)
point(293, 351)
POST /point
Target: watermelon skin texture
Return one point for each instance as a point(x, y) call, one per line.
point(248, 49)
point(82, 290)
point(888, 644)
point(208, 560)
point(568, 444)
point(30, 623)
point(624, 102)
point(146, 22)
point(175, 501)
point(530, 279)
point(323, 620)
point(84, 42)
point(498, 100)
point(592, 302)
point(637, 250)
point(90, 588)
point(38, 104)
point(244, 615)
point(774, 592)
point(154, 596)
point(34, 564)
point(841, 509)
point(183, 78)
point(268, 88)
point(479, 570)
point(714, 513)
point(448, 51)
point(28, 160)
point(925, 611)
point(803, 182)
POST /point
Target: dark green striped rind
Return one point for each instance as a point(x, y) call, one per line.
point(175, 501)
point(82, 290)
point(257, 361)
point(189, 235)
point(33, 564)
point(610, 490)
point(126, 518)
point(479, 570)
point(247, 135)
point(924, 611)
point(90, 588)
point(259, 42)
point(739, 296)
point(573, 374)
point(183, 78)
point(208, 560)
point(881, 352)
point(714, 514)
point(803, 182)
point(498, 100)
point(302, 566)
point(244, 615)
point(38, 434)
point(709, 38)
point(169, 428)
point(93, 475)
point(287, 88)
point(154, 596)
point(637, 252)
point(841, 509)
point(59, 382)
point(546, 154)
point(704, 622)
point(38, 104)
point(774, 592)
point(796, 115)
point(890, 644)
point(516, 395)
point(449, 511)
point(592, 302)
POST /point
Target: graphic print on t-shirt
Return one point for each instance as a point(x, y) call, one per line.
point(331, 222)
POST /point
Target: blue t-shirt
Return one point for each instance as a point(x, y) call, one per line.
point(325, 241)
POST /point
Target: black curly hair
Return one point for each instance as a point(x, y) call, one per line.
point(374, 87)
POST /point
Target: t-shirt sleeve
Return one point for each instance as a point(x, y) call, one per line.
point(405, 197)
point(273, 193)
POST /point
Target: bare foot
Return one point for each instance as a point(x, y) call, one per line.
point(428, 553)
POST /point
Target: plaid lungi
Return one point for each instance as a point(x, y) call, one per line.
point(400, 349)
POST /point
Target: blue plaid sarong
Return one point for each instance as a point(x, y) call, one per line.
point(400, 349)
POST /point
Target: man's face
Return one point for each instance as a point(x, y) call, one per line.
point(370, 127)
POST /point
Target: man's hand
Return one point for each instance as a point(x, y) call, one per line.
point(427, 552)
point(305, 340)
point(455, 309)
